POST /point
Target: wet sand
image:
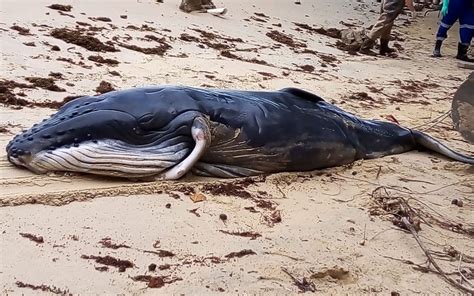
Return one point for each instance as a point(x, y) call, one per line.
point(336, 228)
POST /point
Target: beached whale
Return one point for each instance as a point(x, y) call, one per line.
point(168, 131)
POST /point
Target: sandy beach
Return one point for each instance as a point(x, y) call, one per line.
point(333, 231)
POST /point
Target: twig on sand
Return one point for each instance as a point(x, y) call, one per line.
point(378, 172)
point(303, 285)
point(410, 227)
point(419, 267)
point(283, 255)
point(341, 200)
point(409, 262)
point(281, 191)
point(421, 210)
point(383, 231)
point(463, 278)
point(362, 243)
point(402, 189)
point(415, 180)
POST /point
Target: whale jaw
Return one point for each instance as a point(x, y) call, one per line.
point(106, 157)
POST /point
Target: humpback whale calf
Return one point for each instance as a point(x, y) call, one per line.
point(165, 132)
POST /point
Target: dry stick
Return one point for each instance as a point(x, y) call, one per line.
point(378, 172)
point(465, 258)
point(340, 200)
point(459, 268)
point(281, 191)
point(397, 188)
point(415, 180)
point(365, 238)
point(418, 266)
point(383, 231)
point(442, 187)
point(302, 285)
point(401, 200)
point(446, 223)
point(430, 258)
point(409, 262)
point(449, 223)
point(460, 273)
point(284, 255)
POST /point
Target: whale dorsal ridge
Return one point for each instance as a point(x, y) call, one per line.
point(306, 95)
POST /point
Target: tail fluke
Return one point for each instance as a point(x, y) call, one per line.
point(430, 143)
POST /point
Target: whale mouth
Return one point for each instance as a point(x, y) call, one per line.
point(107, 157)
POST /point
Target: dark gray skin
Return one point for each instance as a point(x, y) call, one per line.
point(249, 132)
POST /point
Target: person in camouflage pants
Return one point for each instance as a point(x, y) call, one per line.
point(390, 10)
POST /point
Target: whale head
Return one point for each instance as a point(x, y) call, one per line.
point(130, 133)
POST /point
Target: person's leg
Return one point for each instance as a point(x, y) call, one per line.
point(390, 11)
point(385, 37)
point(377, 30)
point(454, 11)
point(466, 29)
point(386, 32)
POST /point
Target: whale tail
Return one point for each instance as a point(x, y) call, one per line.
point(373, 139)
point(431, 143)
